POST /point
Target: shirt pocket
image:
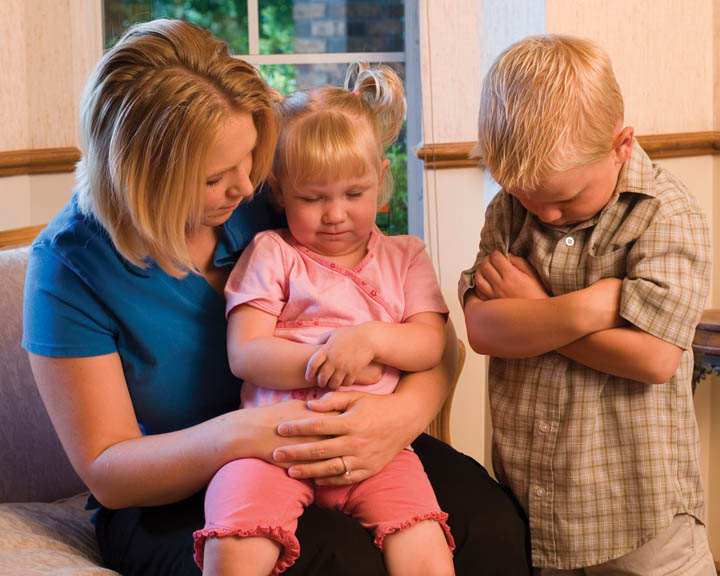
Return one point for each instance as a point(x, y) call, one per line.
point(609, 265)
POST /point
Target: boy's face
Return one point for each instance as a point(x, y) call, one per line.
point(576, 195)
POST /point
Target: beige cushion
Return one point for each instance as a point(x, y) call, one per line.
point(33, 465)
point(55, 538)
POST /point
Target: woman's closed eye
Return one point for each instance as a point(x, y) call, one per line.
point(214, 180)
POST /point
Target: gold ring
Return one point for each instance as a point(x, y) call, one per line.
point(347, 470)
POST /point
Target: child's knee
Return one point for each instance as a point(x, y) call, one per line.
point(424, 547)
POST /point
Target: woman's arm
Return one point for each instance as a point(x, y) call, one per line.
point(372, 428)
point(89, 404)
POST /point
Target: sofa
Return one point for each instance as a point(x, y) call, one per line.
point(44, 527)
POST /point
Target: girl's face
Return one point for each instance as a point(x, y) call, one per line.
point(334, 218)
point(227, 168)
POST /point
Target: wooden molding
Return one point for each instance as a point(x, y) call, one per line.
point(457, 154)
point(18, 236)
point(40, 161)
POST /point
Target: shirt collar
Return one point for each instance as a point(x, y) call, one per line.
point(636, 174)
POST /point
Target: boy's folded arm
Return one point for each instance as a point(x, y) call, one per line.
point(627, 352)
point(525, 327)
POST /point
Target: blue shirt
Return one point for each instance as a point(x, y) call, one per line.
point(82, 298)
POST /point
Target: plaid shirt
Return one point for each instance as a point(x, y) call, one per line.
point(601, 464)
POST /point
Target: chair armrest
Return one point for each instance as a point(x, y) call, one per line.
point(440, 425)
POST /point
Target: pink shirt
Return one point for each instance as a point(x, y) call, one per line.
point(311, 296)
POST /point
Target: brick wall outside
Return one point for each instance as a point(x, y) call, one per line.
point(344, 26)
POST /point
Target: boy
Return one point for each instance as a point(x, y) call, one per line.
point(592, 273)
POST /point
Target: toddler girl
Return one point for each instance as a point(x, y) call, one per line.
point(330, 302)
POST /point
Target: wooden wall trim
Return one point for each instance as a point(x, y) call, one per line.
point(18, 236)
point(40, 161)
point(457, 154)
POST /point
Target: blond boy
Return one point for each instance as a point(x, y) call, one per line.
point(592, 272)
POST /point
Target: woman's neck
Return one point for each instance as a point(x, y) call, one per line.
point(201, 247)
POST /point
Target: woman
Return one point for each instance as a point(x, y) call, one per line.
point(124, 323)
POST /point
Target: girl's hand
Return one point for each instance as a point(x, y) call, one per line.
point(370, 374)
point(367, 434)
point(501, 276)
point(340, 360)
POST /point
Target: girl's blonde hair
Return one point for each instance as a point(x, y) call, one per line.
point(328, 131)
point(549, 103)
point(150, 111)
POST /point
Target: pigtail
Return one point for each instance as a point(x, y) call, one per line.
point(382, 89)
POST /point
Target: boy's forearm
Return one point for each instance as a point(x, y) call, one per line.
point(627, 352)
point(408, 346)
point(521, 328)
point(270, 362)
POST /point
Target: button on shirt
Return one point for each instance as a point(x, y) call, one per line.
point(601, 464)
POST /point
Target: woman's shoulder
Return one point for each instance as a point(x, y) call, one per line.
point(72, 236)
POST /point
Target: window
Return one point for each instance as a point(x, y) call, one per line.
point(298, 44)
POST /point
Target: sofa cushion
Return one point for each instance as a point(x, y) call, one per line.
point(33, 464)
point(55, 538)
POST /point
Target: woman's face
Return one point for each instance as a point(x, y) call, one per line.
point(227, 169)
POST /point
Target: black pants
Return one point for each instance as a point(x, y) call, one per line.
point(489, 529)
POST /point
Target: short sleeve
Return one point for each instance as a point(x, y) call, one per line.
point(493, 236)
point(668, 277)
point(259, 277)
point(422, 291)
point(61, 315)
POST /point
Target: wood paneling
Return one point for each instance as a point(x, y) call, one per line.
point(42, 161)
point(18, 236)
point(457, 154)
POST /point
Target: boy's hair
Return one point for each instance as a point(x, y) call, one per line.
point(549, 103)
point(328, 131)
point(150, 111)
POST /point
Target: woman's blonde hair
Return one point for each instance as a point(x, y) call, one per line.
point(549, 103)
point(328, 131)
point(151, 109)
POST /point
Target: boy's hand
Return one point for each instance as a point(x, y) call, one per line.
point(501, 276)
point(342, 358)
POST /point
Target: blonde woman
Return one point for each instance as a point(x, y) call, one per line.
point(124, 315)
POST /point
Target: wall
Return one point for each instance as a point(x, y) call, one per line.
point(46, 54)
point(664, 58)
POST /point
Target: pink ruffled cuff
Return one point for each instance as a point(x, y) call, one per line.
point(290, 544)
point(439, 516)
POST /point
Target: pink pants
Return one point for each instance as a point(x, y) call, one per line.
point(251, 497)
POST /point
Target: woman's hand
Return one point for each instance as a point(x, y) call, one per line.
point(259, 426)
point(367, 434)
